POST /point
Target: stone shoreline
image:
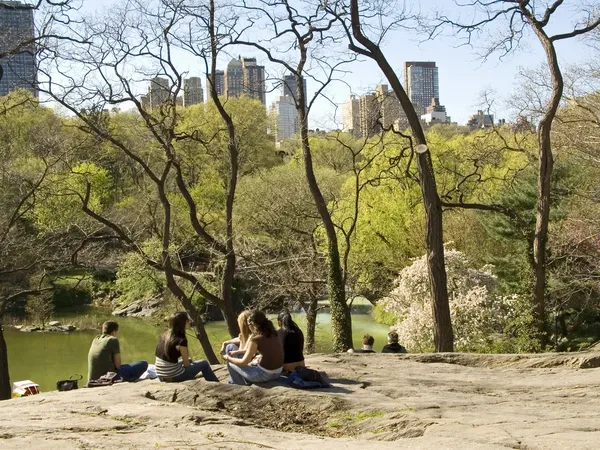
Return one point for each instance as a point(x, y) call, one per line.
point(438, 401)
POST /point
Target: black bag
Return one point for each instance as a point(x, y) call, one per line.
point(105, 380)
point(312, 375)
point(70, 384)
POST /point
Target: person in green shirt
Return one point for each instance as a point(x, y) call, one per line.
point(105, 356)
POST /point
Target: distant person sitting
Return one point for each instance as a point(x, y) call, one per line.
point(393, 346)
point(172, 345)
point(292, 339)
point(105, 356)
point(367, 347)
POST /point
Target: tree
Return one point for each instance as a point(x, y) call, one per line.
point(478, 312)
point(161, 144)
point(33, 145)
point(302, 29)
point(521, 16)
point(352, 18)
point(282, 251)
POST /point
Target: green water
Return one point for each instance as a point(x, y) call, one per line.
point(46, 358)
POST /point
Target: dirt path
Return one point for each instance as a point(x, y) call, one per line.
point(378, 402)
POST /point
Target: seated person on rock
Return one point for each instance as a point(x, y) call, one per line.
point(236, 346)
point(172, 345)
point(292, 340)
point(263, 340)
point(105, 356)
point(367, 347)
point(393, 346)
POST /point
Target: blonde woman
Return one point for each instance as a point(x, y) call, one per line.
point(237, 346)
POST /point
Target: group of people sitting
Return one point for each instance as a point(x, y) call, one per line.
point(392, 346)
point(260, 353)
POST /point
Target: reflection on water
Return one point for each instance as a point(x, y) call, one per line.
point(46, 358)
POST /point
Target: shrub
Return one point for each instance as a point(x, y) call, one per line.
point(479, 316)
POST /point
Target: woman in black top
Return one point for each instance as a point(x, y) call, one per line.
point(172, 345)
point(292, 339)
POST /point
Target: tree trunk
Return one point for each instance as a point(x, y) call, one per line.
point(539, 244)
point(442, 331)
point(546, 166)
point(193, 312)
point(443, 336)
point(227, 295)
point(205, 342)
point(341, 321)
point(5, 391)
point(311, 325)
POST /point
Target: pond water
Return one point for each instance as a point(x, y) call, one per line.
point(46, 358)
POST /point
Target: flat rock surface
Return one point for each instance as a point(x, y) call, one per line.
point(438, 401)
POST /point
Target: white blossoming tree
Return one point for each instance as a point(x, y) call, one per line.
point(478, 314)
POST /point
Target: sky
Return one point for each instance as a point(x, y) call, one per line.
point(463, 75)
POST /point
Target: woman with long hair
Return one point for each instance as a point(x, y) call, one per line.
point(237, 345)
point(264, 340)
point(173, 345)
point(292, 340)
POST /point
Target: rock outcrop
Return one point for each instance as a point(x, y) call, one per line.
point(447, 401)
point(139, 308)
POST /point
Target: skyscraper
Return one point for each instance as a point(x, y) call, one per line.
point(192, 91)
point(421, 83)
point(290, 87)
point(350, 116)
point(369, 115)
point(390, 109)
point(158, 91)
point(244, 76)
point(285, 117)
point(253, 79)
point(219, 83)
point(17, 34)
point(234, 78)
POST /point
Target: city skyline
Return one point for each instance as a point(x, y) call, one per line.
point(464, 73)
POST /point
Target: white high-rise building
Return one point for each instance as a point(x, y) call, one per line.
point(285, 118)
point(350, 116)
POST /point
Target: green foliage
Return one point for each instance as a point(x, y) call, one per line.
point(63, 207)
point(380, 315)
point(39, 309)
point(136, 280)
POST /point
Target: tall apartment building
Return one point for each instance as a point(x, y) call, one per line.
point(253, 79)
point(421, 83)
point(19, 69)
point(351, 117)
point(390, 110)
point(234, 78)
point(219, 83)
point(284, 116)
point(290, 87)
point(158, 92)
point(369, 115)
point(244, 76)
point(192, 91)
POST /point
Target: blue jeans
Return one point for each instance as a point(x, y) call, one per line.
point(233, 348)
point(194, 369)
point(252, 374)
point(131, 372)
